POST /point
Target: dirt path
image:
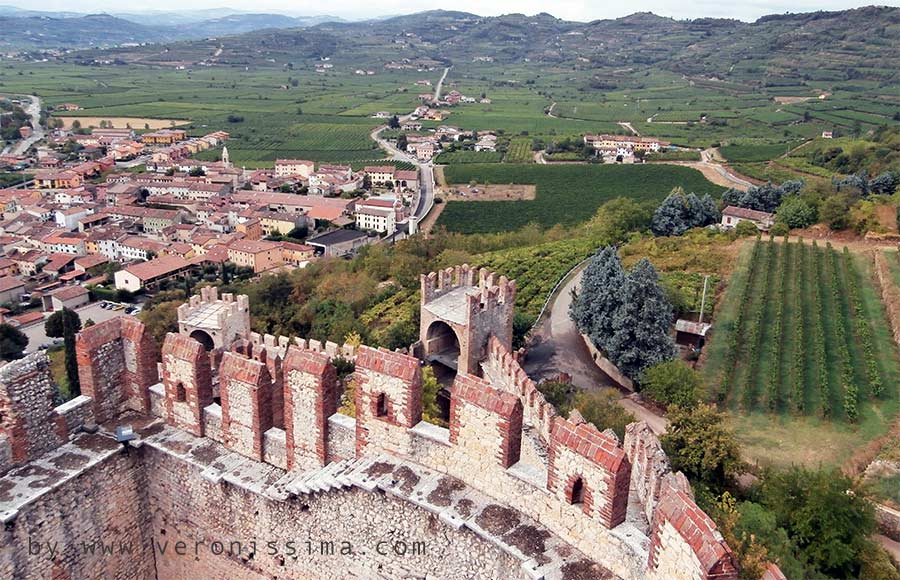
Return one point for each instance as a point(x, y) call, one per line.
point(550, 111)
point(427, 224)
point(626, 125)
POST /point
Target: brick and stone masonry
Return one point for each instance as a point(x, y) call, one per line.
point(188, 382)
point(461, 309)
point(511, 489)
point(311, 397)
point(117, 362)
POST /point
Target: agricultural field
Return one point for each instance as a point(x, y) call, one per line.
point(749, 153)
point(566, 194)
point(269, 113)
point(802, 351)
point(452, 157)
point(519, 150)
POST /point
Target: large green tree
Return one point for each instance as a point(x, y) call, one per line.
point(699, 443)
point(66, 323)
point(824, 515)
point(12, 342)
point(673, 383)
point(640, 326)
point(593, 307)
point(55, 326)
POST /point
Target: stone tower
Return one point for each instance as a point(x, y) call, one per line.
point(226, 159)
point(461, 308)
point(212, 321)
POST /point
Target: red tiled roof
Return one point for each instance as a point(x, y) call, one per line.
point(8, 283)
point(750, 214)
point(69, 292)
point(157, 267)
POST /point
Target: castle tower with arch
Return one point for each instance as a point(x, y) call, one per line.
point(461, 309)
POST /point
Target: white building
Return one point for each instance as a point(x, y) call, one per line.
point(732, 216)
point(294, 167)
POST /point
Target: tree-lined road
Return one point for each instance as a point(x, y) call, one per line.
point(34, 111)
point(557, 347)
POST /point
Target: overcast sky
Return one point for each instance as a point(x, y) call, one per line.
point(583, 10)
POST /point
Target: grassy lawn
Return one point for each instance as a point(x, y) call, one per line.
point(57, 355)
point(781, 409)
point(567, 194)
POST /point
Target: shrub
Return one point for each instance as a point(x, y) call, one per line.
point(780, 230)
point(700, 444)
point(673, 383)
point(746, 229)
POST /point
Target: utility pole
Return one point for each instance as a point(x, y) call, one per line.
point(703, 299)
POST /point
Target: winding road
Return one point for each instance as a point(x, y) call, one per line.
point(34, 111)
point(557, 347)
point(426, 169)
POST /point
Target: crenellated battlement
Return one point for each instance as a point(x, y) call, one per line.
point(270, 405)
point(460, 312)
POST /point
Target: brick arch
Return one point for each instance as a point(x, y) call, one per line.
point(577, 492)
point(439, 329)
point(203, 338)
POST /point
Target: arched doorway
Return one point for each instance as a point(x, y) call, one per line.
point(203, 338)
point(442, 351)
point(442, 344)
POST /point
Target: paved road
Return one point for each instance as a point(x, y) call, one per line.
point(437, 89)
point(34, 110)
point(558, 347)
point(37, 336)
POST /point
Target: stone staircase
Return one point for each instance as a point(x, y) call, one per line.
point(455, 504)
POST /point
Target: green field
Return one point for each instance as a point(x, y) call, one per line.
point(801, 331)
point(566, 194)
point(452, 157)
point(789, 358)
point(519, 150)
point(755, 152)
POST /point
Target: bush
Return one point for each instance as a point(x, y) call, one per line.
point(745, 229)
point(780, 230)
point(795, 212)
point(700, 444)
point(673, 383)
point(603, 410)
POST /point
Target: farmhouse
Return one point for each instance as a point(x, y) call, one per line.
point(164, 137)
point(258, 255)
point(732, 216)
point(380, 175)
point(377, 214)
point(630, 143)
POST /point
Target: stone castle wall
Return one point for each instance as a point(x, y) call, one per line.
point(511, 489)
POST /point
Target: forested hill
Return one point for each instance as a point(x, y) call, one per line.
point(859, 44)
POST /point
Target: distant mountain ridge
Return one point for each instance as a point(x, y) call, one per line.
point(32, 29)
point(862, 43)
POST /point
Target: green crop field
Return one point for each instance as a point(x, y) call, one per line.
point(801, 331)
point(749, 153)
point(469, 157)
point(566, 194)
point(519, 150)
